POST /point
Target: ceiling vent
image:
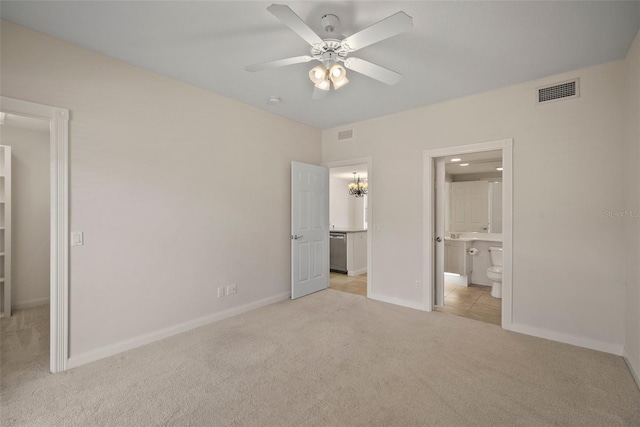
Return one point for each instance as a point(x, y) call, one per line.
point(564, 90)
point(345, 134)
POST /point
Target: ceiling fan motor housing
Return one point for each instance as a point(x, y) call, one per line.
point(330, 23)
point(329, 52)
point(329, 58)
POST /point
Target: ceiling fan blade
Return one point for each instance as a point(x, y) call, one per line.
point(372, 70)
point(293, 21)
point(319, 93)
point(278, 63)
point(388, 27)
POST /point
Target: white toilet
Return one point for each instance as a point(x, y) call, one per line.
point(494, 273)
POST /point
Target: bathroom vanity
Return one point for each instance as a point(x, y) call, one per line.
point(458, 260)
point(456, 257)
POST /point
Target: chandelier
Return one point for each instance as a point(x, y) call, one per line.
point(358, 188)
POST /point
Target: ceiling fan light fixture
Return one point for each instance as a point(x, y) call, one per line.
point(338, 83)
point(318, 74)
point(338, 76)
point(337, 71)
point(324, 85)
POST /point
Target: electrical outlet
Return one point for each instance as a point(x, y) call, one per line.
point(418, 284)
point(221, 291)
point(232, 289)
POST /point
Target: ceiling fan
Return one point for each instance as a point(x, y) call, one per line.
point(331, 52)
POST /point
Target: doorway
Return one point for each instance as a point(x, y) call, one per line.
point(444, 224)
point(58, 123)
point(350, 232)
point(25, 238)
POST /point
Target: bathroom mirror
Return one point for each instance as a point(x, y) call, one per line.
point(473, 192)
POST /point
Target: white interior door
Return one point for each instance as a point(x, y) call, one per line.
point(309, 229)
point(441, 200)
point(470, 206)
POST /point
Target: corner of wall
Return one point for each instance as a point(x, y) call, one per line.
point(633, 368)
point(632, 222)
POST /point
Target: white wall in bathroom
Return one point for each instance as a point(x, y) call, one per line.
point(632, 204)
point(495, 207)
point(579, 142)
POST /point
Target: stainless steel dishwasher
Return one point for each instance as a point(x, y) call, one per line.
point(338, 252)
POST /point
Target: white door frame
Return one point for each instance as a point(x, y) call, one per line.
point(428, 239)
point(59, 161)
point(370, 191)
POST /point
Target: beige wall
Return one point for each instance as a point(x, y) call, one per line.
point(568, 256)
point(177, 190)
point(632, 223)
point(30, 215)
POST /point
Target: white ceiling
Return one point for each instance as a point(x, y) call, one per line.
point(455, 48)
point(482, 162)
point(346, 172)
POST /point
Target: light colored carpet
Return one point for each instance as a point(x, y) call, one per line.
point(329, 359)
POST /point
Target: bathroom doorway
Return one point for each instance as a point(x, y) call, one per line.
point(349, 231)
point(472, 236)
point(467, 231)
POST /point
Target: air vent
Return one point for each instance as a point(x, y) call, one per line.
point(564, 90)
point(345, 134)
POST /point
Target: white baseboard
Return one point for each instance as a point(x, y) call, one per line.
point(635, 369)
point(30, 303)
point(131, 343)
point(357, 272)
point(606, 347)
point(398, 301)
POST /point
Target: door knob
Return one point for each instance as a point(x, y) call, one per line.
point(296, 237)
point(438, 239)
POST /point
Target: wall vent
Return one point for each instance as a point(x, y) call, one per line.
point(563, 90)
point(345, 134)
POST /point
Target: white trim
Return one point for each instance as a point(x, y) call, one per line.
point(369, 161)
point(506, 145)
point(30, 303)
point(606, 347)
point(635, 371)
point(59, 138)
point(397, 301)
point(140, 340)
point(357, 272)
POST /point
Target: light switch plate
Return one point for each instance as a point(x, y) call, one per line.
point(77, 239)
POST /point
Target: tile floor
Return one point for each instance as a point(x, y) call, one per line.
point(352, 284)
point(474, 302)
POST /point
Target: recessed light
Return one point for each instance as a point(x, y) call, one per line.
point(464, 164)
point(498, 169)
point(456, 159)
point(273, 100)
